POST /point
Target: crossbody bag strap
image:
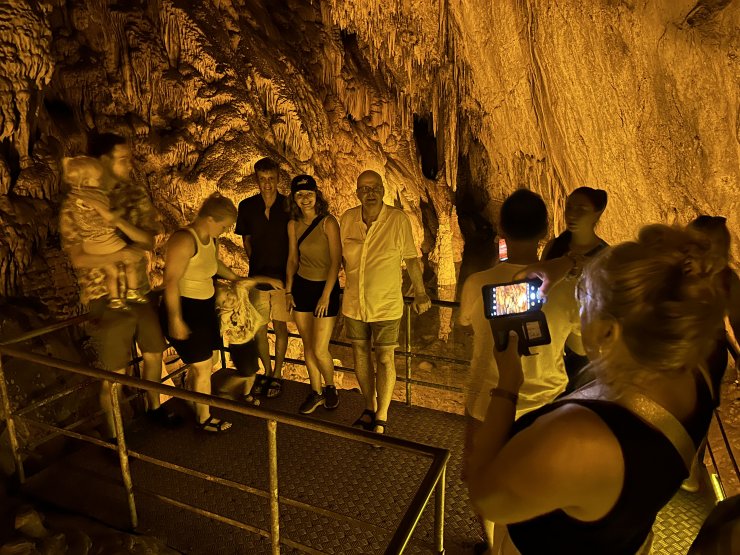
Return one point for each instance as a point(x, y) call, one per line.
point(652, 414)
point(309, 229)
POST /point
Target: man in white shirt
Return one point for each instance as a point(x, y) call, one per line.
point(376, 240)
point(522, 223)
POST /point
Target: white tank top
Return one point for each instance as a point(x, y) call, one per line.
point(197, 281)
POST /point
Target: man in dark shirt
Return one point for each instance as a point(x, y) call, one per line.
point(263, 224)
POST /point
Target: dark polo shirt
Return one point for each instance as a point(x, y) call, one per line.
point(269, 238)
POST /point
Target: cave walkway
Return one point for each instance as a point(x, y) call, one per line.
point(369, 484)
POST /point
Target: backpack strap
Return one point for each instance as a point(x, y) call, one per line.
point(309, 229)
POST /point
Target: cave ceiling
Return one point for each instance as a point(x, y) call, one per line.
point(446, 99)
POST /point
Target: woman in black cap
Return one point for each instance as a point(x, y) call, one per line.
point(312, 285)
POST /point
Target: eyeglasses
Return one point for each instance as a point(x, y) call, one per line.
point(364, 189)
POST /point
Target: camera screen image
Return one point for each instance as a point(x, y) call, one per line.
point(514, 298)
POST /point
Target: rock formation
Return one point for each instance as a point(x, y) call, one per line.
point(443, 97)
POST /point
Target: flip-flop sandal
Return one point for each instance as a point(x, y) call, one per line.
point(250, 399)
point(214, 425)
point(365, 424)
point(258, 389)
point(274, 388)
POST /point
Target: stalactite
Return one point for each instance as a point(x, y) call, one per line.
point(287, 127)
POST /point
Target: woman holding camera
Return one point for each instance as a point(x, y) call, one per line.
point(588, 473)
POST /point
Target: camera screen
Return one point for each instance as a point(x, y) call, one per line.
point(513, 298)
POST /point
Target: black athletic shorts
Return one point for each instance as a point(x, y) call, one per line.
point(306, 295)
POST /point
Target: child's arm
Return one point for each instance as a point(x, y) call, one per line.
point(141, 237)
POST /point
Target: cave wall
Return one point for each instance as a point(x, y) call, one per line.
point(637, 97)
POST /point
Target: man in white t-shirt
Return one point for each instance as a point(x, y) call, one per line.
point(522, 223)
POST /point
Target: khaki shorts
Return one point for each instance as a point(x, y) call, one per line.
point(383, 333)
point(272, 304)
point(113, 332)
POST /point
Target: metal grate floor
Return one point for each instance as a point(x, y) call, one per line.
point(361, 482)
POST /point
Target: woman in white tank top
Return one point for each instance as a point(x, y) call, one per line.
point(189, 310)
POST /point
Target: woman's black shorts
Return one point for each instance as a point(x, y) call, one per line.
point(306, 295)
point(205, 335)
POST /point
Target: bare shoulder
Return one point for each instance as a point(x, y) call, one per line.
point(181, 242)
point(331, 222)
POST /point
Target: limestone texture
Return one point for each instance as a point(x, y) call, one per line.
point(451, 101)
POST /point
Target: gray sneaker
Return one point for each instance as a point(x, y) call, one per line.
point(312, 402)
point(331, 397)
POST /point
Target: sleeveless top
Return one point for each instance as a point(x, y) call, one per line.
point(197, 281)
point(314, 257)
point(653, 473)
point(561, 246)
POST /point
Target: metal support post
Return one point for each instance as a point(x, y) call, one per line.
point(439, 513)
point(115, 391)
point(14, 446)
point(407, 348)
point(274, 505)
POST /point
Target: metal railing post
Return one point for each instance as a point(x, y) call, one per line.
point(128, 485)
point(274, 504)
point(439, 513)
point(9, 419)
point(407, 348)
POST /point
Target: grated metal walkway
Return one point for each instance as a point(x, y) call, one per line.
point(372, 486)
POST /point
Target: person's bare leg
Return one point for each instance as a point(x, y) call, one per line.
point(305, 323)
point(111, 281)
point(107, 406)
point(322, 330)
point(385, 379)
point(281, 346)
point(263, 349)
point(152, 371)
point(365, 371)
point(201, 383)
point(249, 384)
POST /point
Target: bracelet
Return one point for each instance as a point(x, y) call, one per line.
point(289, 293)
point(508, 395)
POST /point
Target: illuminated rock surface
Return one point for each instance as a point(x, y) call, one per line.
point(638, 98)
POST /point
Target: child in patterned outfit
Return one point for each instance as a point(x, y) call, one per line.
point(239, 322)
point(84, 176)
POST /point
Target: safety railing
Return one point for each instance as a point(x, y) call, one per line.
point(408, 354)
point(433, 481)
point(724, 447)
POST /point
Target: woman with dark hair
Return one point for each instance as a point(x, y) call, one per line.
point(188, 313)
point(312, 285)
point(589, 473)
point(583, 210)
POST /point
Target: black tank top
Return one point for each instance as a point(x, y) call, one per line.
point(561, 246)
point(653, 472)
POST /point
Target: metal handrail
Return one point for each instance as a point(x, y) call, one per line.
point(720, 425)
point(434, 478)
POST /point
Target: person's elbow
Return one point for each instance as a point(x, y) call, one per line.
point(491, 500)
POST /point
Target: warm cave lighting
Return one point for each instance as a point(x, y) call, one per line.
point(271, 277)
